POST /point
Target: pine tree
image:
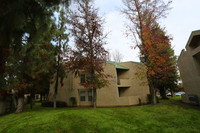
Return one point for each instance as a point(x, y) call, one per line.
point(61, 39)
point(25, 69)
point(19, 18)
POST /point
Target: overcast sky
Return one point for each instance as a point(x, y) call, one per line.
point(180, 22)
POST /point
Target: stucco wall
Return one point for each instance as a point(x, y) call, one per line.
point(108, 95)
point(189, 67)
point(66, 91)
point(138, 87)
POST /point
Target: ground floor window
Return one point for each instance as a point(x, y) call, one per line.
point(86, 95)
point(82, 95)
point(90, 95)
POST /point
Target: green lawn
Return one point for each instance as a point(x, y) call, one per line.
point(166, 117)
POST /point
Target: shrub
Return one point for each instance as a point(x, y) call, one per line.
point(50, 104)
point(73, 100)
point(139, 101)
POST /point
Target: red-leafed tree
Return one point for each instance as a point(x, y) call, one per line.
point(150, 38)
point(159, 60)
point(89, 54)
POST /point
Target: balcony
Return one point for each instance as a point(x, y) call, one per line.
point(123, 82)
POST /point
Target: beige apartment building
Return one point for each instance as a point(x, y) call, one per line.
point(124, 89)
point(189, 67)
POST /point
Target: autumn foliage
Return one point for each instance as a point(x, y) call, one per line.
point(89, 55)
point(159, 56)
point(155, 48)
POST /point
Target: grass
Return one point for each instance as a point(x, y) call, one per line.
point(166, 117)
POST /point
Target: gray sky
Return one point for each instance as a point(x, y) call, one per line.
point(180, 22)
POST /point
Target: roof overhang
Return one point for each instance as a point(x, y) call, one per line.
point(193, 39)
point(117, 66)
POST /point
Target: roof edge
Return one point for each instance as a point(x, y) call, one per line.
point(193, 33)
point(132, 62)
point(117, 65)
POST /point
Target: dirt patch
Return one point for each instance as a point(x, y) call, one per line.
point(185, 105)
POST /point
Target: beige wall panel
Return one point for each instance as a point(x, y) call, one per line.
point(189, 67)
point(107, 96)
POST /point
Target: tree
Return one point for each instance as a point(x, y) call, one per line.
point(21, 17)
point(117, 56)
point(32, 64)
point(143, 16)
point(169, 80)
point(61, 39)
point(108, 56)
point(89, 54)
point(160, 60)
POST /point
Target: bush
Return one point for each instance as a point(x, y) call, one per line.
point(50, 104)
point(73, 101)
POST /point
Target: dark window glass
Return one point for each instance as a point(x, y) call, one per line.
point(82, 96)
point(90, 95)
point(82, 78)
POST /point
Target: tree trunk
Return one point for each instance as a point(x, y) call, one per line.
point(55, 93)
point(14, 102)
point(153, 94)
point(172, 93)
point(20, 105)
point(41, 97)
point(4, 53)
point(32, 98)
point(31, 101)
point(163, 94)
point(54, 101)
point(56, 84)
point(46, 97)
point(94, 98)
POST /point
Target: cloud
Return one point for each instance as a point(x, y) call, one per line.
point(116, 39)
point(110, 9)
point(180, 22)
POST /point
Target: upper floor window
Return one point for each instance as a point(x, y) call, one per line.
point(82, 76)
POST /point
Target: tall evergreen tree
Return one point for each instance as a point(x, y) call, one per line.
point(21, 17)
point(61, 39)
point(25, 69)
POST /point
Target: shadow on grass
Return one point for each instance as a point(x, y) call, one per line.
point(38, 107)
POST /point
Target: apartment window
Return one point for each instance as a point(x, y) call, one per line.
point(82, 95)
point(90, 95)
point(82, 78)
